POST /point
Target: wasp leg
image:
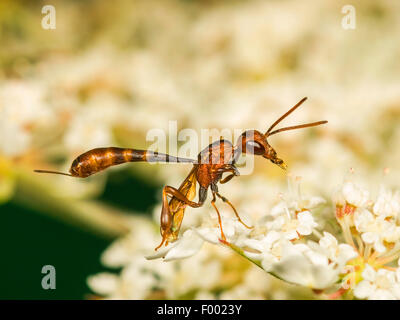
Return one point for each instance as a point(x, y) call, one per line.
point(233, 208)
point(166, 215)
point(162, 242)
point(165, 220)
point(219, 217)
point(227, 178)
point(171, 191)
point(228, 168)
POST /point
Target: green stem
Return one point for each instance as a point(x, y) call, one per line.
point(241, 252)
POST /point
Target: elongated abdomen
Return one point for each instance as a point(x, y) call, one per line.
point(98, 159)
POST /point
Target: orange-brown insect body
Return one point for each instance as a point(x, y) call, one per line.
point(99, 159)
point(212, 162)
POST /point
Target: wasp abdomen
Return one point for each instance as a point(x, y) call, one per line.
point(98, 159)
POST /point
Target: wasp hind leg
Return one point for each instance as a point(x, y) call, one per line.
point(166, 218)
point(164, 239)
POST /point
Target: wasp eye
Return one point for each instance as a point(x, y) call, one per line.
point(254, 147)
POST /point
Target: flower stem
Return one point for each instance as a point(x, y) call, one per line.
point(241, 252)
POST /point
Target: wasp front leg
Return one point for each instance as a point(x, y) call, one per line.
point(228, 168)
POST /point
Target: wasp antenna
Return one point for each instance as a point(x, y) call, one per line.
point(312, 124)
point(53, 172)
point(298, 104)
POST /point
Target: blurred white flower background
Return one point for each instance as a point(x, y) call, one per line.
point(328, 228)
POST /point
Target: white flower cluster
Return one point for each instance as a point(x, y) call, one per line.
point(155, 279)
point(288, 244)
point(22, 108)
point(373, 229)
point(278, 245)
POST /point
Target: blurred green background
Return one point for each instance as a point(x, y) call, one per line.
point(31, 240)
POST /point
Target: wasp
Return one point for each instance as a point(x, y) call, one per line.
point(219, 158)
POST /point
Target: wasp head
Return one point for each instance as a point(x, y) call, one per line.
point(254, 142)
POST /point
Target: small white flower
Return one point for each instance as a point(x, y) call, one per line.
point(135, 284)
point(140, 240)
point(279, 209)
point(377, 285)
point(234, 231)
point(293, 228)
point(306, 203)
point(340, 253)
point(375, 230)
point(387, 204)
point(104, 283)
point(355, 195)
point(301, 265)
point(188, 279)
point(269, 246)
point(186, 246)
point(296, 201)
